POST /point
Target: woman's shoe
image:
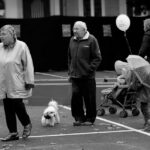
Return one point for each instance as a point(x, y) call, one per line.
point(147, 127)
point(10, 137)
point(27, 131)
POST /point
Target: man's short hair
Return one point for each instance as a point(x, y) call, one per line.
point(81, 24)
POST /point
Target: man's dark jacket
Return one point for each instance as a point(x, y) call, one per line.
point(84, 57)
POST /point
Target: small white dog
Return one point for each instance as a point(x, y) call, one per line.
point(50, 115)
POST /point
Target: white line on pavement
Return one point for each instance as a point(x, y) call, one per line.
point(81, 133)
point(62, 84)
point(66, 77)
point(115, 123)
point(127, 129)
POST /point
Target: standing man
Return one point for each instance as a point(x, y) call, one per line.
point(84, 57)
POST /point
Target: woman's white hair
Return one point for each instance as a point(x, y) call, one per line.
point(10, 29)
point(146, 24)
point(81, 24)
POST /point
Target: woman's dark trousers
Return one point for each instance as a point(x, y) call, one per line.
point(83, 94)
point(13, 108)
point(145, 109)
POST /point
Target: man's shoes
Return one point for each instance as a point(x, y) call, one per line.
point(27, 131)
point(78, 123)
point(10, 137)
point(84, 121)
point(88, 123)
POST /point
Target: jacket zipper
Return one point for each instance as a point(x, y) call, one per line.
point(76, 58)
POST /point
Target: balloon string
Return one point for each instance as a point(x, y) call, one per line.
point(127, 43)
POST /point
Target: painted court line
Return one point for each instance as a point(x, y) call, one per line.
point(66, 80)
point(76, 134)
point(115, 123)
point(81, 133)
point(50, 80)
point(62, 84)
point(64, 77)
point(52, 75)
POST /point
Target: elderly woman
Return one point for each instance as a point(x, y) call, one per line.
point(145, 53)
point(16, 81)
point(145, 46)
point(142, 92)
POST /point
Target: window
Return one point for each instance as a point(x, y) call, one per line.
point(87, 8)
point(97, 5)
point(36, 8)
point(2, 8)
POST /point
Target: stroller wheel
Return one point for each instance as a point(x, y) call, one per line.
point(123, 114)
point(112, 110)
point(135, 112)
point(101, 112)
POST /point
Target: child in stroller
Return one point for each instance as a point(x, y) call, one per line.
point(120, 95)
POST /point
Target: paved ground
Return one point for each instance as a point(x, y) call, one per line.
point(110, 132)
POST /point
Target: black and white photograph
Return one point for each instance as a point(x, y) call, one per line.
point(74, 74)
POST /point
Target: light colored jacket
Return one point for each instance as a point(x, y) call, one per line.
point(16, 69)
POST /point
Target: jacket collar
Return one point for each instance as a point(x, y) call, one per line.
point(86, 36)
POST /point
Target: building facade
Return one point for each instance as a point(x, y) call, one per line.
point(46, 8)
point(97, 8)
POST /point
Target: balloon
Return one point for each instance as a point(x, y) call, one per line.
point(123, 22)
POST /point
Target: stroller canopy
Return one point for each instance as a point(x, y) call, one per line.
point(141, 69)
point(136, 61)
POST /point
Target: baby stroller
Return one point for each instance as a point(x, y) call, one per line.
point(123, 97)
point(120, 95)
